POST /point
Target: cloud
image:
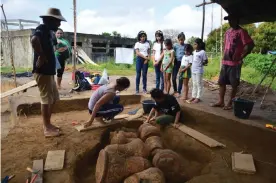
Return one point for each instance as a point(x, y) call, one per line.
point(131, 21)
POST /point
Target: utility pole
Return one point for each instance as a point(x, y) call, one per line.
point(10, 45)
point(203, 16)
point(212, 17)
point(75, 40)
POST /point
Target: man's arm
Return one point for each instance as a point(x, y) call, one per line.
point(37, 46)
point(247, 49)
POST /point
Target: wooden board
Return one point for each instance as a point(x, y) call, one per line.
point(121, 116)
point(19, 89)
point(38, 165)
point(200, 137)
point(243, 163)
point(54, 160)
point(81, 128)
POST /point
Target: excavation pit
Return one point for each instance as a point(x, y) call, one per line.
point(25, 143)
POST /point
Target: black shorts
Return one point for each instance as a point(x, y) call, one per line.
point(230, 75)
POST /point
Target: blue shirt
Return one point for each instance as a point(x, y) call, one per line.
point(45, 37)
point(179, 51)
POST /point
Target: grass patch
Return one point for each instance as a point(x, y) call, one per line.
point(8, 69)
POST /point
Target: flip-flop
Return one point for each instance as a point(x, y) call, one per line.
point(48, 134)
point(227, 108)
point(216, 105)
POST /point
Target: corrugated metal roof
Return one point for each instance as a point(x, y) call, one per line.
point(250, 11)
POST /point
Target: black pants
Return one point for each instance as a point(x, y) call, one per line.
point(176, 67)
point(61, 60)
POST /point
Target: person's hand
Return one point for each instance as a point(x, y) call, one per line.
point(176, 125)
point(161, 69)
point(41, 61)
point(88, 123)
point(147, 121)
point(156, 63)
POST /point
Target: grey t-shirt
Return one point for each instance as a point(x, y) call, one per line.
point(98, 94)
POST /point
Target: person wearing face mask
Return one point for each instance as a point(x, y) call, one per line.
point(44, 67)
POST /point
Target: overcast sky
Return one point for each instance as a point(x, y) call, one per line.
point(125, 16)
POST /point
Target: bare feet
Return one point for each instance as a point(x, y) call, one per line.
point(227, 107)
point(175, 94)
point(176, 125)
point(195, 101)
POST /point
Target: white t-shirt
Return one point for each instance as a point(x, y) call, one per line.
point(199, 57)
point(186, 60)
point(142, 47)
point(157, 49)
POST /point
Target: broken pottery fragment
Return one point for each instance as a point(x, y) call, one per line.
point(149, 131)
point(152, 175)
point(134, 148)
point(121, 137)
point(154, 143)
point(169, 162)
point(112, 168)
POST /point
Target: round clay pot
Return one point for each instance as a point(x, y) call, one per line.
point(153, 143)
point(134, 148)
point(170, 163)
point(112, 168)
point(142, 126)
point(149, 131)
point(120, 137)
point(153, 175)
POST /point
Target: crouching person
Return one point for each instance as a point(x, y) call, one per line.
point(166, 109)
point(104, 104)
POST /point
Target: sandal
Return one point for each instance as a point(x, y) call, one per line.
point(227, 108)
point(196, 101)
point(217, 105)
point(51, 134)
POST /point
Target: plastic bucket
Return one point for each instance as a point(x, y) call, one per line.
point(148, 105)
point(243, 108)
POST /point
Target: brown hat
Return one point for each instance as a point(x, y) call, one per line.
point(54, 12)
point(231, 16)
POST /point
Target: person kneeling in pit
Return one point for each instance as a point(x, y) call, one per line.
point(104, 104)
point(166, 109)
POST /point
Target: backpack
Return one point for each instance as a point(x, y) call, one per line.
point(81, 83)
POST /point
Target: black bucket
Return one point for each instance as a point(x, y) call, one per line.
point(148, 105)
point(243, 108)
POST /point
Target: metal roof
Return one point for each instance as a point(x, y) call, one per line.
point(250, 11)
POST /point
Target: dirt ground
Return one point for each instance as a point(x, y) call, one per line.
point(22, 140)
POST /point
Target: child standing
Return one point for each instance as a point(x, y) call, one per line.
point(179, 49)
point(142, 49)
point(185, 70)
point(199, 61)
point(157, 53)
point(167, 64)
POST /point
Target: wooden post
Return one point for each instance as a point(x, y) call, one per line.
point(75, 41)
point(203, 20)
point(10, 45)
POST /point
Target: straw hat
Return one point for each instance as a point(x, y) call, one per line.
point(54, 12)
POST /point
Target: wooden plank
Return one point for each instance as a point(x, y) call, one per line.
point(38, 165)
point(200, 137)
point(243, 163)
point(19, 89)
point(81, 128)
point(121, 116)
point(54, 160)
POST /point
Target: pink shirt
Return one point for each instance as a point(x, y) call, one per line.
point(234, 43)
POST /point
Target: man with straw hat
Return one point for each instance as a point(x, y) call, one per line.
point(44, 67)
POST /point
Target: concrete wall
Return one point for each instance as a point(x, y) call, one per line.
point(22, 49)
point(103, 46)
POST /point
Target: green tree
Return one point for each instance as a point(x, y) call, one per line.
point(191, 40)
point(116, 34)
point(265, 37)
point(106, 34)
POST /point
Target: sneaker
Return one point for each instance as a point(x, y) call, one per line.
point(137, 93)
point(145, 92)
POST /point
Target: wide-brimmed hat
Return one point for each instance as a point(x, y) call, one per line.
point(231, 16)
point(54, 12)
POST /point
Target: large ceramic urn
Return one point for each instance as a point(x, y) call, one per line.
point(134, 148)
point(122, 137)
point(169, 162)
point(147, 131)
point(112, 168)
point(152, 175)
point(154, 143)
